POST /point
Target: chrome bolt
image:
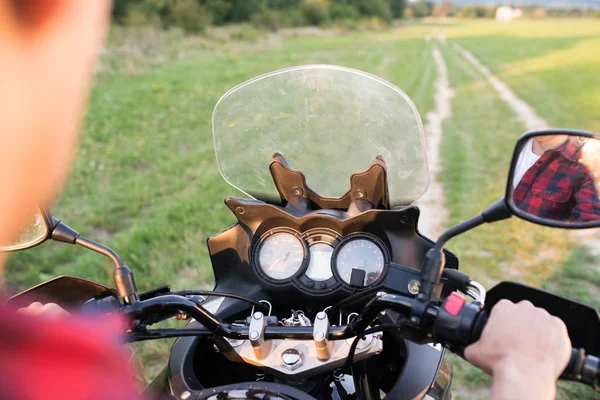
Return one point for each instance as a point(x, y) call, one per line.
point(321, 315)
point(254, 335)
point(319, 335)
point(291, 359)
point(360, 194)
point(414, 287)
point(257, 315)
point(296, 191)
point(185, 395)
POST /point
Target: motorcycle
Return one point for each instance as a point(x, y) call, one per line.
point(324, 291)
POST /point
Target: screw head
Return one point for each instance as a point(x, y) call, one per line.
point(257, 315)
point(254, 335)
point(296, 191)
point(240, 210)
point(185, 395)
point(360, 194)
point(321, 315)
point(291, 359)
point(319, 335)
point(414, 287)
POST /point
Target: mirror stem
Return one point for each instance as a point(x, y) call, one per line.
point(434, 261)
point(457, 230)
point(124, 282)
point(495, 212)
point(98, 248)
point(62, 232)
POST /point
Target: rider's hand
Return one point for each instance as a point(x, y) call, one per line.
point(49, 310)
point(524, 348)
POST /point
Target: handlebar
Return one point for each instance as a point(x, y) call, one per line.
point(456, 324)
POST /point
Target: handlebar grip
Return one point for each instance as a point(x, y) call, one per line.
point(478, 326)
point(582, 368)
point(459, 328)
point(574, 365)
point(466, 328)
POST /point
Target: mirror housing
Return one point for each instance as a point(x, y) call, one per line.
point(554, 179)
point(38, 231)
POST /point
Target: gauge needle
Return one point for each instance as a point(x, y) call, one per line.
point(274, 264)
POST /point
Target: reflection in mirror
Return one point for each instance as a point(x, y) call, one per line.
point(33, 233)
point(556, 177)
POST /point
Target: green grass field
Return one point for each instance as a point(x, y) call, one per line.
point(146, 181)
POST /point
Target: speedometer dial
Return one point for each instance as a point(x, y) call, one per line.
point(281, 255)
point(360, 253)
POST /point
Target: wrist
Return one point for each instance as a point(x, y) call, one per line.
point(523, 379)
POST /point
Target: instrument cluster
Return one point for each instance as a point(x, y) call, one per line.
point(320, 259)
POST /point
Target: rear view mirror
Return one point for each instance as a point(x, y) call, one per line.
point(554, 179)
point(35, 232)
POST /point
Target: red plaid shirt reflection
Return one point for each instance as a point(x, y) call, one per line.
point(558, 187)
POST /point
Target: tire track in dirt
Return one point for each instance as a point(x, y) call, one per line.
point(433, 209)
point(524, 111)
point(532, 121)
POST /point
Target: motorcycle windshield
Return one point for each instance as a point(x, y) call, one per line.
point(329, 122)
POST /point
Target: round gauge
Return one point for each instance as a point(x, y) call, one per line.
point(360, 254)
point(319, 268)
point(281, 255)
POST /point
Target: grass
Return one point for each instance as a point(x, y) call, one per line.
point(551, 65)
point(146, 183)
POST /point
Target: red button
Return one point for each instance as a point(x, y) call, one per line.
point(454, 304)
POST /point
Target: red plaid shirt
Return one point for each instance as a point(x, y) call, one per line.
point(71, 358)
point(558, 187)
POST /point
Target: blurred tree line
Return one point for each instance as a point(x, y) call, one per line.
point(194, 15)
point(425, 8)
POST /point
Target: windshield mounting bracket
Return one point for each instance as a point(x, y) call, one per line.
point(368, 189)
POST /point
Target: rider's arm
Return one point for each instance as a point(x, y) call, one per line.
point(524, 348)
point(587, 202)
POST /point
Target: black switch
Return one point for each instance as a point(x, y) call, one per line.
point(357, 279)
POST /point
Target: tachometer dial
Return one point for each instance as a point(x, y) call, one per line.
point(360, 253)
point(281, 255)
